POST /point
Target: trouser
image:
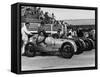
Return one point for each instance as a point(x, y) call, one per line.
point(23, 47)
point(25, 41)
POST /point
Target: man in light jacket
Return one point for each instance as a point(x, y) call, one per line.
point(25, 33)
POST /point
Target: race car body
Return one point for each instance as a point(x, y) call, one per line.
point(65, 47)
point(57, 43)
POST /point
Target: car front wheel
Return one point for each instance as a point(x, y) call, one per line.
point(30, 50)
point(67, 50)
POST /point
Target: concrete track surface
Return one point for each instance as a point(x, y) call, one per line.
point(85, 59)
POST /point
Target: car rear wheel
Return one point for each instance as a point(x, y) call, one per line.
point(67, 50)
point(30, 50)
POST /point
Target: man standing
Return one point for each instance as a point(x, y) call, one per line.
point(25, 35)
point(80, 32)
point(59, 33)
point(70, 33)
point(53, 18)
point(41, 27)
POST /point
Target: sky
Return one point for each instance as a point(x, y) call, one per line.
point(67, 14)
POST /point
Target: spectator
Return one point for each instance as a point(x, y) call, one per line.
point(38, 11)
point(46, 17)
point(86, 34)
point(41, 27)
point(70, 34)
point(74, 34)
point(41, 17)
point(92, 34)
point(80, 32)
point(59, 33)
point(28, 13)
point(53, 17)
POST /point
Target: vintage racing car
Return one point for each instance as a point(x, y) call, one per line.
point(65, 47)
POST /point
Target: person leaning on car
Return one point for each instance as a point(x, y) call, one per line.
point(25, 35)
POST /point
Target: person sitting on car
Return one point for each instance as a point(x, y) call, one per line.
point(41, 38)
point(58, 34)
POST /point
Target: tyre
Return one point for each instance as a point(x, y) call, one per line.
point(92, 43)
point(67, 50)
point(88, 44)
point(83, 44)
point(30, 50)
point(79, 46)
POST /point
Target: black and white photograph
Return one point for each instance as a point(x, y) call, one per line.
point(57, 38)
point(52, 38)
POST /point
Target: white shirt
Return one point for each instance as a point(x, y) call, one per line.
point(24, 32)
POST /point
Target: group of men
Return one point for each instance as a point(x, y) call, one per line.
point(46, 18)
point(26, 34)
point(39, 14)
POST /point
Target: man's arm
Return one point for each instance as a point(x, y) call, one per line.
point(27, 31)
